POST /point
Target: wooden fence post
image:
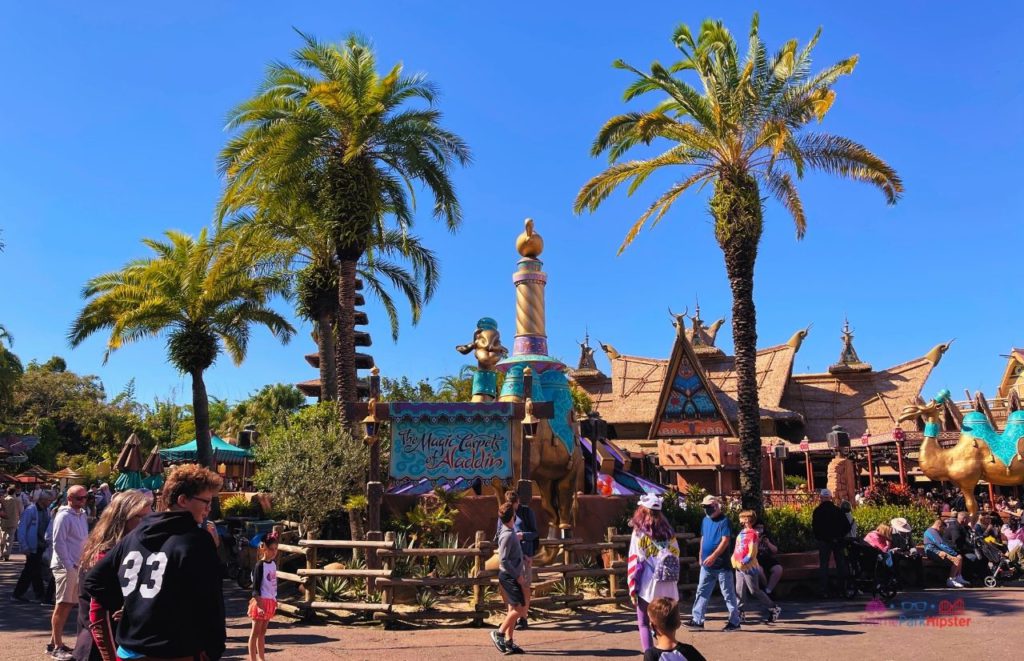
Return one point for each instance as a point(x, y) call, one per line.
point(310, 580)
point(389, 563)
point(478, 566)
point(372, 560)
point(613, 579)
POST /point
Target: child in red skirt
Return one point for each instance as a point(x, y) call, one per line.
point(263, 604)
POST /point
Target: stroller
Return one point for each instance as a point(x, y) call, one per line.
point(870, 571)
point(999, 568)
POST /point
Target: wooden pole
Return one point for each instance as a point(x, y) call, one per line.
point(902, 466)
point(871, 469)
point(771, 468)
point(991, 496)
point(810, 471)
point(374, 498)
point(372, 561)
point(389, 563)
point(478, 566)
point(310, 580)
point(613, 579)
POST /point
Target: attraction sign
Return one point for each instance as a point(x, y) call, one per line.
point(444, 442)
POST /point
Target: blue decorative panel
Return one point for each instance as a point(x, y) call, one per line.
point(444, 442)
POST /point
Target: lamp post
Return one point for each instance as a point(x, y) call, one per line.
point(899, 436)
point(528, 428)
point(805, 446)
point(865, 440)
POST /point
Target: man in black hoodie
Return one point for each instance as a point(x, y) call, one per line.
point(165, 577)
point(830, 526)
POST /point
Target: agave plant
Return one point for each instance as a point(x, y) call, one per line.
point(451, 565)
point(333, 588)
point(426, 599)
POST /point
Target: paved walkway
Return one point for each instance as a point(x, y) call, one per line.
point(914, 629)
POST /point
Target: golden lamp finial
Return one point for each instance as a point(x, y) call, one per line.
point(529, 243)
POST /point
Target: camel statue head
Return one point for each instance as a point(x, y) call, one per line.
point(930, 412)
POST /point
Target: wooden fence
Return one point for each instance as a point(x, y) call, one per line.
point(555, 586)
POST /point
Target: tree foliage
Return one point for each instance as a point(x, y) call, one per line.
point(744, 127)
point(312, 465)
point(202, 294)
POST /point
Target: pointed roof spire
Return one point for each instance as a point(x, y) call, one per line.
point(586, 367)
point(701, 337)
point(849, 361)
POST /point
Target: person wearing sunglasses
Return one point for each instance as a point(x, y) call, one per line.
point(70, 530)
point(165, 577)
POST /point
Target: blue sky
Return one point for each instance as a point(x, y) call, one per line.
point(113, 114)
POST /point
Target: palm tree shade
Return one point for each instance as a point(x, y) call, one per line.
point(746, 126)
point(203, 294)
point(331, 129)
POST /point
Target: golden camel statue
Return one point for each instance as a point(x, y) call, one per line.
point(980, 454)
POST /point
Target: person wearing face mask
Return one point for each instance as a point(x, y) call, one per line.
point(715, 541)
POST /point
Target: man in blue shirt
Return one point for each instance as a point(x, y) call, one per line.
point(715, 537)
point(936, 548)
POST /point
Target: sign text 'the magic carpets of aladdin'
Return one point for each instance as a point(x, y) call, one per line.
point(445, 442)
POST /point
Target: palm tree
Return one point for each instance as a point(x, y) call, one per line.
point(746, 127)
point(332, 124)
point(11, 369)
point(203, 294)
point(303, 244)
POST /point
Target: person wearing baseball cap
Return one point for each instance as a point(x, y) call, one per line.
point(715, 541)
point(830, 526)
point(652, 568)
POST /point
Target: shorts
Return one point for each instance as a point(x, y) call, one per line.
point(269, 607)
point(767, 564)
point(936, 557)
point(66, 585)
point(512, 589)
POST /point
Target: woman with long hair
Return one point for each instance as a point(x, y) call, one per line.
point(653, 566)
point(95, 625)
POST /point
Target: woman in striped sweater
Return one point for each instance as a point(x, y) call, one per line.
point(653, 565)
point(748, 571)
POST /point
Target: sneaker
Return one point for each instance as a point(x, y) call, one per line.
point(499, 641)
point(731, 627)
point(512, 648)
point(959, 580)
point(691, 624)
point(522, 624)
point(62, 654)
point(950, 583)
point(775, 613)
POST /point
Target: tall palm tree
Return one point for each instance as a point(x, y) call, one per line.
point(303, 244)
point(204, 294)
point(744, 128)
point(11, 369)
point(331, 123)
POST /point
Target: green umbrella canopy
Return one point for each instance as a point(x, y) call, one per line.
point(128, 480)
point(223, 452)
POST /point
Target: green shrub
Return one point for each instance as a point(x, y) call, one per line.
point(237, 506)
point(869, 516)
point(790, 528)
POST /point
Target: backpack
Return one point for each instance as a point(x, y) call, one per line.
point(666, 564)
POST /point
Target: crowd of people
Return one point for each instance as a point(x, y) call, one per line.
point(127, 566)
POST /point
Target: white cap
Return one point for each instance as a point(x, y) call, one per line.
point(900, 525)
point(709, 500)
point(826, 493)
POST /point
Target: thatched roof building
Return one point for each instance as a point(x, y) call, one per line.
point(683, 409)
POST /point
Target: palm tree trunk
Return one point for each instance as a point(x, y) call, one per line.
point(325, 346)
point(736, 206)
point(201, 416)
point(345, 342)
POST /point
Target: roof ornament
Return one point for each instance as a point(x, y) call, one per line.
point(586, 361)
point(849, 361)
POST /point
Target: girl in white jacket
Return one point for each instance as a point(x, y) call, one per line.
point(653, 564)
